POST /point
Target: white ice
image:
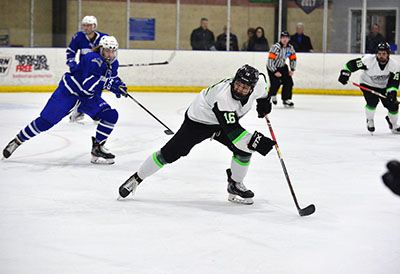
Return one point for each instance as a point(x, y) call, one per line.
point(59, 213)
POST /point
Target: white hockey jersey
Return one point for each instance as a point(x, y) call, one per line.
point(201, 108)
point(373, 76)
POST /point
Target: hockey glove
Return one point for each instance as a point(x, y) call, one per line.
point(260, 143)
point(72, 64)
point(344, 76)
point(118, 87)
point(263, 107)
point(392, 177)
point(391, 96)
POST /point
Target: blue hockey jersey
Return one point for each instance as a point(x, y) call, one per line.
point(90, 76)
point(81, 42)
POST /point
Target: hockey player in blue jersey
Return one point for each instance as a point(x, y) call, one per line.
point(96, 71)
point(84, 41)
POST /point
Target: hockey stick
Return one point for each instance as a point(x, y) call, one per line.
point(144, 64)
point(302, 211)
point(168, 131)
point(369, 90)
point(150, 64)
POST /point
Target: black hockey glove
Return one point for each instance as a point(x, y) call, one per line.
point(260, 143)
point(263, 107)
point(392, 177)
point(344, 76)
point(391, 96)
point(118, 87)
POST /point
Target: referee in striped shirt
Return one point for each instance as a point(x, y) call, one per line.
point(278, 70)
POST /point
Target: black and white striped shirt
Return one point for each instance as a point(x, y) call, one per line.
point(277, 57)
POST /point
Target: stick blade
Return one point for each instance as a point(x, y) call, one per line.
point(307, 210)
point(169, 132)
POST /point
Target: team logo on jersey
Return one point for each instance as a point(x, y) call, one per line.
point(97, 61)
point(5, 65)
point(380, 78)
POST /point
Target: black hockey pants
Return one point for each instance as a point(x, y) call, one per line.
point(192, 133)
point(373, 100)
point(285, 80)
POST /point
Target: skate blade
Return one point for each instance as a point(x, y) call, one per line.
point(101, 161)
point(239, 200)
point(288, 106)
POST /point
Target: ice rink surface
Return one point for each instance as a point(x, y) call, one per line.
point(59, 213)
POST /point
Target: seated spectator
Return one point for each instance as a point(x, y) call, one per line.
point(250, 33)
point(258, 42)
point(221, 41)
point(202, 38)
point(374, 38)
point(300, 41)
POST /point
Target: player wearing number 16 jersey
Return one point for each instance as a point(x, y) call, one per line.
point(215, 114)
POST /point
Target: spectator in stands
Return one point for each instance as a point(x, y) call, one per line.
point(202, 38)
point(258, 42)
point(221, 41)
point(250, 33)
point(373, 39)
point(300, 41)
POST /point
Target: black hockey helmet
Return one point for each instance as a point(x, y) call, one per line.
point(285, 33)
point(383, 47)
point(246, 75)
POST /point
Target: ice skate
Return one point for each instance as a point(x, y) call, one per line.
point(288, 103)
point(238, 193)
point(395, 130)
point(129, 186)
point(11, 147)
point(100, 154)
point(76, 116)
point(274, 100)
point(371, 125)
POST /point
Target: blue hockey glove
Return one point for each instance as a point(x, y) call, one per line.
point(118, 87)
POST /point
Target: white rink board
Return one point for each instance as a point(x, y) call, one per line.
point(59, 213)
point(187, 68)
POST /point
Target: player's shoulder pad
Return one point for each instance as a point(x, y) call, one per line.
point(102, 34)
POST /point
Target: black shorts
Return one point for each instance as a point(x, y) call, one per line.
point(373, 100)
point(192, 133)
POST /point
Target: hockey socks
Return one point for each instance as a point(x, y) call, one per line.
point(108, 119)
point(238, 193)
point(150, 166)
point(34, 128)
point(370, 113)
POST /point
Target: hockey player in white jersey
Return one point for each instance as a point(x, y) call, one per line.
point(380, 74)
point(215, 114)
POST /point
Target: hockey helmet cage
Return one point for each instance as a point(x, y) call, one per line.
point(90, 20)
point(246, 75)
point(383, 47)
point(109, 42)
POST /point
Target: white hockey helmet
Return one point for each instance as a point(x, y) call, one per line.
point(89, 20)
point(108, 42)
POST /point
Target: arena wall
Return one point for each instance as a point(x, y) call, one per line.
point(40, 69)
